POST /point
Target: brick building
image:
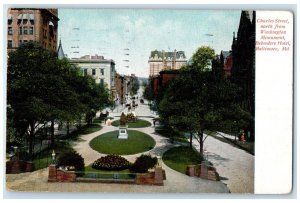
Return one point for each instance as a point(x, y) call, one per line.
point(30, 24)
point(161, 60)
point(162, 80)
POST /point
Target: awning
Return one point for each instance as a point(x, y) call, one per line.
point(26, 16)
point(9, 17)
point(20, 16)
point(31, 16)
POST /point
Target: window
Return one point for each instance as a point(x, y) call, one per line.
point(102, 81)
point(9, 21)
point(20, 31)
point(31, 30)
point(9, 31)
point(102, 71)
point(25, 21)
point(93, 71)
point(85, 72)
point(25, 31)
point(9, 44)
point(25, 41)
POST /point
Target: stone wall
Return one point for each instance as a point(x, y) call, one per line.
point(153, 178)
point(59, 175)
point(203, 170)
point(18, 166)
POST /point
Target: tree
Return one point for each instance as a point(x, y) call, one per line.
point(29, 85)
point(135, 85)
point(42, 89)
point(196, 100)
point(148, 92)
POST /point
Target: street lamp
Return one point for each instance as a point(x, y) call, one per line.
point(206, 154)
point(53, 157)
point(159, 160)
point(16, 152)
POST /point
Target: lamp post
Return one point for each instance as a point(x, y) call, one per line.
point(53, 157)
point(159, 160)
point(16, 152)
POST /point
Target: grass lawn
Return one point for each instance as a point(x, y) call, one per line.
point(169, 133)
point(89, 129)
point(90, 172)
point(178, 158)
point(108, 143)
point(138, 124)
point(44, 159)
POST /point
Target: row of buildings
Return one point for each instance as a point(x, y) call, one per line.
point(41, 25)
point(238, 64)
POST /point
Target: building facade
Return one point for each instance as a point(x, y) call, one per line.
point(227, 61)
point(243, 67)
point(162, 80)
point(24, 25)
point(102, 70)
point(161, 60)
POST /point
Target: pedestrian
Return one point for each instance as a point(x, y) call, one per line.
point(243, 136)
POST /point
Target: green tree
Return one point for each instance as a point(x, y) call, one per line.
point(29, 68)
point(196, 100)
point(135, 85)
point(42, 89)
point(148, 92)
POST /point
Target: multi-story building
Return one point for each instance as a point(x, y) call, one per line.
point(120, 82)
point(30, 24)
point(102, 70)
point(162, 80)
point(161, 60)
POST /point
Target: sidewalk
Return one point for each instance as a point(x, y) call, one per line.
point(235, 166)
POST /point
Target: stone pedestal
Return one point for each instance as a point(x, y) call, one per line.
point(16, 167)
point(123, 134)
point(52, 173)
point(29, 167)
point(158, 176)
point(190, 170)
point(204, 170)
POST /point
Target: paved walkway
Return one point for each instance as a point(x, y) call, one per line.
point(235, 166)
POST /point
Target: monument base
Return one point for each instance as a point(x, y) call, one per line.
point(123, 133)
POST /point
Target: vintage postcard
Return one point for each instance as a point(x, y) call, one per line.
point(148, 100)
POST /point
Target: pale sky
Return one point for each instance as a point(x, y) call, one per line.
point(129, 35)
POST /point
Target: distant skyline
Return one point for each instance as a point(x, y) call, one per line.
point(129, 35)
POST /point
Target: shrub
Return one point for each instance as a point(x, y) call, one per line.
point(131, 117)
point(111, 162)
point(143, 163)
point(71, 158)
point(123, 119)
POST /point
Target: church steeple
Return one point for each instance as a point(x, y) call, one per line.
point(60, 51)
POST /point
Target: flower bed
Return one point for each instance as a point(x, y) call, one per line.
point(111, 162)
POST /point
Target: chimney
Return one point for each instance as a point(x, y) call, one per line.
point(163, 58)
point(174, 59)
